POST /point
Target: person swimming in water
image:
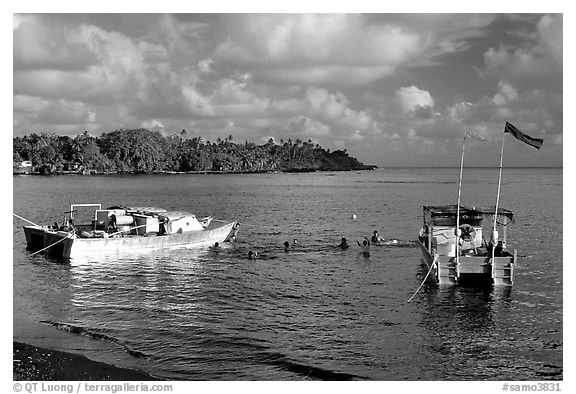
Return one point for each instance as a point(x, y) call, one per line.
point(377, 239)
point(364, 247)
point(343, 244)
point(252, 255)
point(286, 246)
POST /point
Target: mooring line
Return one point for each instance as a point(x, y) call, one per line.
point(26, 220)
point(426, 277)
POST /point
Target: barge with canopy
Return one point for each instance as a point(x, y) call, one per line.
point(118, 230)
point(456, 251)
point(452, 239)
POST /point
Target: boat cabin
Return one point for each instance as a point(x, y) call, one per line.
point(459, 244)
point(439, 231)
point(124, 221)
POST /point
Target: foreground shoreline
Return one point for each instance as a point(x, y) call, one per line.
point(36, 364)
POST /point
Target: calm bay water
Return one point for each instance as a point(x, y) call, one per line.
point(315, 312)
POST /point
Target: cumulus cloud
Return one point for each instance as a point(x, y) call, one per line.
point(331, 77)
point(340, 75)
point(109, 67)
point(320, 48)
point(537, 111)
point(196, 103)
point(325, 104)
point(65, 112)
point(29, 104)
point(38, 46)
point(549, 37)
point(152, 124)
point(412, 98)
point(305, 127)
point(205, 65)
point(540, 58)
point(506, 94)
point(229, 97)
point(336, 108)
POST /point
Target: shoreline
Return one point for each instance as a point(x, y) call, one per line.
point(34, 363)
point(211, 172)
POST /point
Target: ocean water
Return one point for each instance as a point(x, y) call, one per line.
point(312, 313)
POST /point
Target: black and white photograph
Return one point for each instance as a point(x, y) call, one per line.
point(298, 196)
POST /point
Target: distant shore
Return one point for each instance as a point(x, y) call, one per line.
point(40, 364)
point(289, 170)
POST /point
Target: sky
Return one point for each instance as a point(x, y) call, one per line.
point(391, 89)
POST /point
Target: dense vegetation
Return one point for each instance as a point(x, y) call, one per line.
point(142, 151)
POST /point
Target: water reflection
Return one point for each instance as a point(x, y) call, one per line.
point(463, 327)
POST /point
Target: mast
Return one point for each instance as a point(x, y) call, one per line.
point(474, 136)
point(494, 229)
point(457, 230)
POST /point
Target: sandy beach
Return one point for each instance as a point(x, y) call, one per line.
point(36, 363)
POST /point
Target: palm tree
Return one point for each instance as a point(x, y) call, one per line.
point(77, 149)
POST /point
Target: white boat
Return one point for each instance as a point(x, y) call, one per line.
point(459, 253)
point(121, 230)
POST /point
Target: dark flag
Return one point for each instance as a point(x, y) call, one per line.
point(535, 142)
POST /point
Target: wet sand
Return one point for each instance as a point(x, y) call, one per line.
point(36, 363)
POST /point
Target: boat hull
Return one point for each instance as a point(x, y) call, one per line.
point(67, 247)
point(470, 269)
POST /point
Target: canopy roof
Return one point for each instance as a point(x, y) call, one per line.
point(446, 214)
point(176, 215)
point(148, 210)
point(452, 209)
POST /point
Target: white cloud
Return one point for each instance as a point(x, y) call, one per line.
point(325, 104)
point(410, 98)
point(29, 104)
point(152, 124)
point(196, 103)
point(538, 59)
point(305, 127)
point(550, 41)
point(506, 94)
point(459, 112)
point(205, 65)
point(356, 135)
point(333, 76)
point(320, 48)
point(39, 46)
point(327, 74)
point(232, 91)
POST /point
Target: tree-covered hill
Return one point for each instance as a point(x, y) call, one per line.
point(141, 151)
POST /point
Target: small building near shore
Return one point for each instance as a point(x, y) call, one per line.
point(24, 168)
point(69, 165)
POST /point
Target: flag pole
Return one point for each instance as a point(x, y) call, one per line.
point(457, 231)
point(494, 231)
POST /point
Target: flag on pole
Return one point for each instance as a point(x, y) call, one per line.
point(535, 142)
point(474, 136)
